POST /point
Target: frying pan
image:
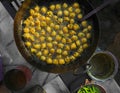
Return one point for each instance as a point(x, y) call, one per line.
point(78, 62)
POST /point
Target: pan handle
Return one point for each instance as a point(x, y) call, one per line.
point(82, 70)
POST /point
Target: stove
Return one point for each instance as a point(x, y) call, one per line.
point(12, 6)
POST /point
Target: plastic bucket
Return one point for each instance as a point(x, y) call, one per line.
point(17, 78)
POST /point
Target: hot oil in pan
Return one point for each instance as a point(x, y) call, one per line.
point(63, 39)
